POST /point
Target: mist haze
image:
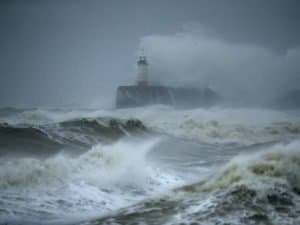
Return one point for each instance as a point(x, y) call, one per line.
point(61, 53)
point(239, 72)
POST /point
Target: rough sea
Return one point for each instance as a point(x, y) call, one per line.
point(149, 165)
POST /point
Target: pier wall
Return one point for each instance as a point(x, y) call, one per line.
point(134, 96)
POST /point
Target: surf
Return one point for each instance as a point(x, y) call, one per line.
point(253, 188)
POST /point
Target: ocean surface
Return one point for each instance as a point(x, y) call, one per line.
point(149, 165)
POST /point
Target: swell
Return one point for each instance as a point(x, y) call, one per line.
point(108, 128)
point(25, 140)
point(7, 111)
point(75, 135)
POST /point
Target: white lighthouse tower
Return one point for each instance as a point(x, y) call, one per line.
point(142, 71)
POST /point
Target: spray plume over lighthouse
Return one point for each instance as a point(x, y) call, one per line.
point(143, 93)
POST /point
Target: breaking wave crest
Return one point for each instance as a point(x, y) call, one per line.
point(100, 165)
point(280, 163)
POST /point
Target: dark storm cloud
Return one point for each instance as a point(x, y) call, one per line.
point(65, 52)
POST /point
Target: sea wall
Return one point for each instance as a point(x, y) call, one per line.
point(133, 96)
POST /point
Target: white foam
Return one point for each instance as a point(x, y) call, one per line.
point(123, 162)
point(243, 126)
point(102, 179)
point(219, 125)
point(279, 163)
point(44, 116)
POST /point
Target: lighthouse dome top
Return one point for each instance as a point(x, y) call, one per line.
point(142, 60)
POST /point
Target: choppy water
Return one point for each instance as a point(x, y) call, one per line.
point(202, 166)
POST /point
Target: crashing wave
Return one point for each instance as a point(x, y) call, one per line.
point(263, 188)
point(102, 179)
point(280, 163)
point(123, 163)
point(252, 189)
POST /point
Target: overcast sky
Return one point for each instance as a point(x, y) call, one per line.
point(56, 53)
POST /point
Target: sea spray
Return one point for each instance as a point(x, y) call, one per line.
point(101, 164)
point(104, 178)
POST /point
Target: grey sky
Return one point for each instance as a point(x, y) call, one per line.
point(78, 52)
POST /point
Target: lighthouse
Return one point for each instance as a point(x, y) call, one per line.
point(142, 71)
point(141, 93)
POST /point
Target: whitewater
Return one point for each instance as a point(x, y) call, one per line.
point(149, 165)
